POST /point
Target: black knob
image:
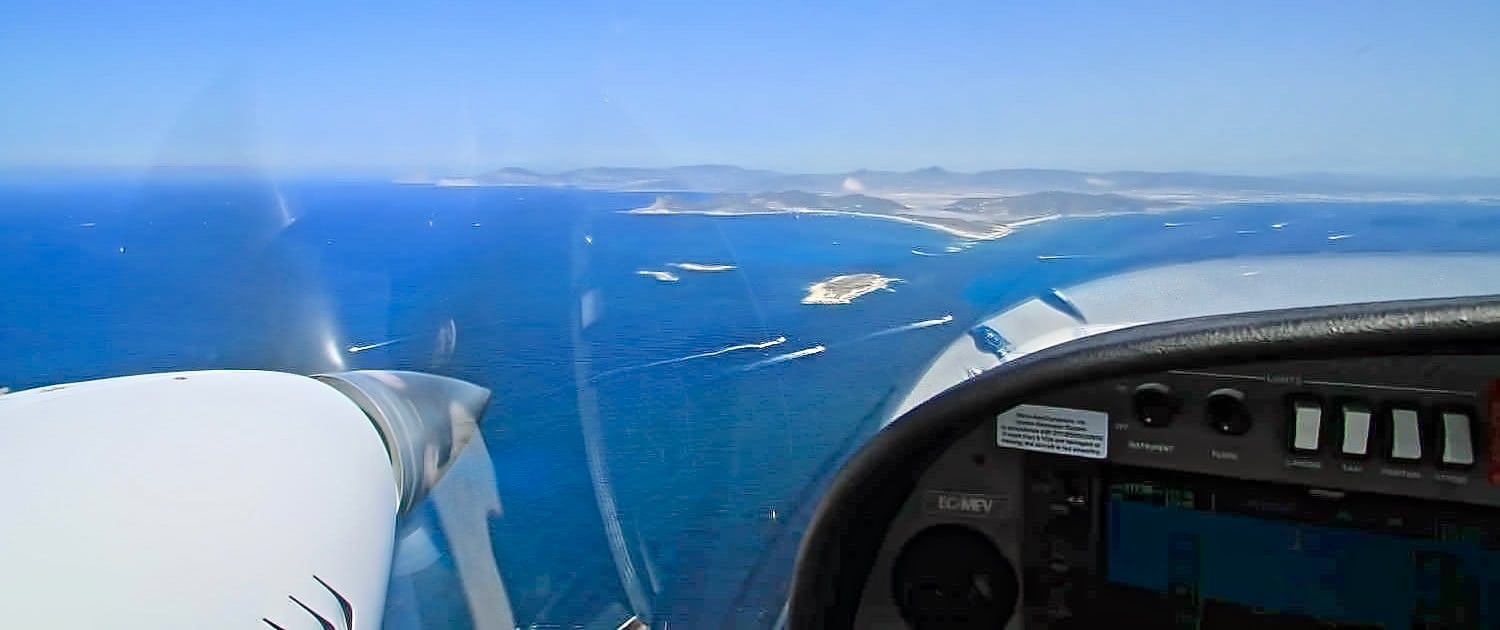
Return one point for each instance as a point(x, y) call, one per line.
point(1154, 405)
point(1227, 413)
point(950, 576)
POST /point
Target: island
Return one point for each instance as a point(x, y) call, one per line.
point(970, 206)
point(844, 289)
point(966, 226)
point(972, 218)
point(1057, 203)
point(660, 276)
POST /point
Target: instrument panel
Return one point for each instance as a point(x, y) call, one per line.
point(1348, 493)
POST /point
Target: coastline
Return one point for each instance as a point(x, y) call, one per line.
point(997, 231)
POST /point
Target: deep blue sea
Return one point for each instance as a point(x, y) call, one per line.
point(624, 481)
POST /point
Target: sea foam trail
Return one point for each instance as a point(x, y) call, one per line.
point(701, 355)
point(744, 346)
point(701, 267)
point(782, 358)
point(355, 349)
point(926, 323)
point(660, 276)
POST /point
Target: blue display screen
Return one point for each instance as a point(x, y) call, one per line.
point(1206, 560)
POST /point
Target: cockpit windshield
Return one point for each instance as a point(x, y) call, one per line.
point(700, 254)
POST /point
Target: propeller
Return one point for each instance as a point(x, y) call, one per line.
point(424, 419)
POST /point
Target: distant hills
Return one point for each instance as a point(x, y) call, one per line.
point(982, 205)
point(733, 179)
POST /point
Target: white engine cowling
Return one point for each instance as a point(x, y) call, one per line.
point(217, 498)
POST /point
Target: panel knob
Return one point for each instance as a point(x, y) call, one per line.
point(1154, 405)
point(1226, 412)
point(950, 576)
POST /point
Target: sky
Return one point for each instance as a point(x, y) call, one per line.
point(437, 88)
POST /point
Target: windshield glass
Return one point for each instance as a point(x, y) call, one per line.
point(700, 254)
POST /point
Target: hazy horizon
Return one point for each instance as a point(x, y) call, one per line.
point(1395, 90)
point(392, 174)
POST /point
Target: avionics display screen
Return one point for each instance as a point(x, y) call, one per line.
point(1215, 553)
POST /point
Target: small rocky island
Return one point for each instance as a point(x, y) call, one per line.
point(844, 289)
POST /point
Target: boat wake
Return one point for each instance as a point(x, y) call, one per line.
point(687, 266)
point(356, 349)
point(744, 346)
point(660, 276)
point(926, 323)
point(783, 358)
point(701, 355)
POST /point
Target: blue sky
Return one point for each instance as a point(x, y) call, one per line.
point(400, 88)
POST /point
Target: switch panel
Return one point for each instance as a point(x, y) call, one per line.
point(1406, 434)
point(1307, 424)
point(1355, 420)
point(1458, 439)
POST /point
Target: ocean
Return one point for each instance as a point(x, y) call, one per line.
point(650, 448)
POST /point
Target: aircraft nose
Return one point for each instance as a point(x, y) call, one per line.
point(424, 419)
